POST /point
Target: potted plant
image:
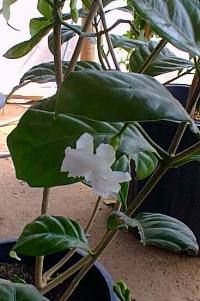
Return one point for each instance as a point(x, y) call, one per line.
point(91, 128)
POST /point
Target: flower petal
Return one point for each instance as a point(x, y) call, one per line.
point(85, 142)
point(107, 153)
point(106, 183)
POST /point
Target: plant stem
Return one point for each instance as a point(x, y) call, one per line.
point(178, 76)
point(152, 56)
point(39, 262)
point(99, 38)
point(76, 53)
point(111, 234)
point(40, 281)
point(184, 154)
point(93, 216)
point(107, 240)
point(191, 104)
point(160, 171)
point(110, 46)
point(62, 277)
point(47, 275)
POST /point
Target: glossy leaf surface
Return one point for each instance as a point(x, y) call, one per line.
point(165, 62)
point(48, 234)
point(118, 97)
point(159, 230)
point(38, 143)
point(176, 21)
point(19, 292)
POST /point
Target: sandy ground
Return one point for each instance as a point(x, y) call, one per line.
point(152, 274)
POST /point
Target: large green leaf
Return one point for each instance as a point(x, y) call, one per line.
point(25, 47)
point(19, 292)
point(48, 234)
point(115, 96)
point(44, 73)
point(123, 42)
point(159, 230)
point(6, 8)
point(37, 145)
point(165, 62)
point(177, 21)
point(45, 9)
point(66, 35)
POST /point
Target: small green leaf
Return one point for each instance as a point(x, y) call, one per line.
point(45, 9)
point(48, 235)
point(118, 97)
point(122, 291)
point(176, 21)
point(123, 42)
point(19, 292)
point(165, 62)
point(74, 11)
point(6, 8)
point(36, 24)
point(25, 47)
point(145, 163)
point(14, 255)
point(162, 231)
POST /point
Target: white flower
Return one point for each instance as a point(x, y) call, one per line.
point(96, 168)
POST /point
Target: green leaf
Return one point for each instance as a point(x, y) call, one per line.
point(122, 291)
point(45, 9)
point(6, 8)
point(123, 164)
point(165, 62)
point(123, 42)
point(145, 163)
point(37, 145)
point(49, 234)
point(118, 97)
point(25, 47)
point(66, 35)
point(19, 292)
point(162, 231)
point(44, 73)
point(176, 21)
point(36, 24)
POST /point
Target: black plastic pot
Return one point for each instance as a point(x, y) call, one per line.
point(98, 280)
point(178, 193)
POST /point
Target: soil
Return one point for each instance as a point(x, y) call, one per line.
point(22, 273)
point(152, 274)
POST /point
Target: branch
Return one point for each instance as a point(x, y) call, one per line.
point(88, 22)
point(152, 56)
point(110, 46)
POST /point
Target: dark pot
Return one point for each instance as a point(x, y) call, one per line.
point(98, 281)
point(177, 194)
